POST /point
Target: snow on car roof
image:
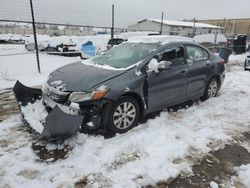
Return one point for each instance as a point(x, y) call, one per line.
point(210, 38)
point(127, 35)
point(159, 39)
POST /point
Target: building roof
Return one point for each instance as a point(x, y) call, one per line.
point(163, 39)
point(181, 23)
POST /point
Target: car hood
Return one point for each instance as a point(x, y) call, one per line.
point(80, 77)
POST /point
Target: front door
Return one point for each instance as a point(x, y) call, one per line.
point(169, 85)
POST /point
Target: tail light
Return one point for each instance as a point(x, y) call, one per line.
point(109, 46)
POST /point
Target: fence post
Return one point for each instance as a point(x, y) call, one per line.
point(35, 39)
point(194, 29)
point(162, 15)
point(112, 28)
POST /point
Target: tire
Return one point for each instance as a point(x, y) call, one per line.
point(211, 89)
point(124, 115)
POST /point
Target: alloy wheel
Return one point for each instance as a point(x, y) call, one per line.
point(124, 115)
point(212, 89)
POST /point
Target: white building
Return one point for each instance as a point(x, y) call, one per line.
point(171, 27)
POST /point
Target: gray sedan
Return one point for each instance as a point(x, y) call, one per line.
point(116, 89)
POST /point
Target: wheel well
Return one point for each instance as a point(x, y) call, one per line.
point(139, 100)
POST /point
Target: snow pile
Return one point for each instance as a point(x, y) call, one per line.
point(99, 41)
point(153, 66)
point(35, 114)
point(236, 62)
point(242, 175)
point(213, 184)
point(154, 151)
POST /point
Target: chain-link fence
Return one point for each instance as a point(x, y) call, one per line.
point(57, 45)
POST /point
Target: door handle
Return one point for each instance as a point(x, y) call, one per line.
point(183, 72)
point(208, 63)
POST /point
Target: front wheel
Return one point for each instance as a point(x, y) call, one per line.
point(124, 115)
point(211, 89)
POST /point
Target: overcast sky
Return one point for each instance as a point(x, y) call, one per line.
point(98, 12)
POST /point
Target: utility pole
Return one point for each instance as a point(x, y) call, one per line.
point(248, 31)
point(113, 16)
point(216, 34)
point(162, 15)
point(34, 33)
point(194, 28)
point(224, 25)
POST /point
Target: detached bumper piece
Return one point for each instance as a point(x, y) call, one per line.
point(58, 125)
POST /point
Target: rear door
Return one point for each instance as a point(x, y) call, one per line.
point(169, 85)
point(199, 70)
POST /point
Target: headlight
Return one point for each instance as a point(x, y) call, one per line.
point(94, 95)
point(80, 96)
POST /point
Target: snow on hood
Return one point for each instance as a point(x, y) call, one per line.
point(107, 67)
point(163, 39)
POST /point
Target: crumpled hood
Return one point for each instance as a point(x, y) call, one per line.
point(80, 77)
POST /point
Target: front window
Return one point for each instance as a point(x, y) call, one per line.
point(175, 56)
point(125, 55)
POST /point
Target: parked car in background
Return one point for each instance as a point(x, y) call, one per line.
point(211, 41)
point(125, 36)
point(240, 44)
point(247, 63)
point(114, 41)
point(117, 88)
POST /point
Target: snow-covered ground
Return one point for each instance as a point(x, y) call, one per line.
point(242, 176)
point(18, 64)
point(154, 151)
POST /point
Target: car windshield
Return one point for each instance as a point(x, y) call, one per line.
point(125, 55)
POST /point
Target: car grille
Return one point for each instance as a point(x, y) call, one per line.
point(55, 94)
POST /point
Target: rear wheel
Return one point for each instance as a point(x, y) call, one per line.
point(124, 115)
point(211, 89)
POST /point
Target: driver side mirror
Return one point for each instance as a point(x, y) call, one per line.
point(155, 66)
point(164, 65)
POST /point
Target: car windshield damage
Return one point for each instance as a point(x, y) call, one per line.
point(124, 55)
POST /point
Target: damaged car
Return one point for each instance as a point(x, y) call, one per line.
point(114, 90)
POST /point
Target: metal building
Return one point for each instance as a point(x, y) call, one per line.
point(171, 27)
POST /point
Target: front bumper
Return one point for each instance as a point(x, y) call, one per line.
point(66, 109)
point(90, 110)
point(52, 126)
